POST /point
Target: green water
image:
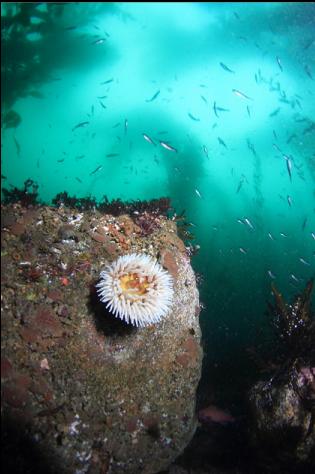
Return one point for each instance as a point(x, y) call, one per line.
point(170, 68)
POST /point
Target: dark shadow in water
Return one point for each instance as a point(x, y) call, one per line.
point(27, 64)
point(23, 455)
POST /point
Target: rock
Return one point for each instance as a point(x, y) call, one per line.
point(111, 397)
point(282, 421)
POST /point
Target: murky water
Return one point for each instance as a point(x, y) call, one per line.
point(211, 104)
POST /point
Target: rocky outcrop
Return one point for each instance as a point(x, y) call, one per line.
point(81, 390)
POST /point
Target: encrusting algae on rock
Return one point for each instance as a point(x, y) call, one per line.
point(89, 391)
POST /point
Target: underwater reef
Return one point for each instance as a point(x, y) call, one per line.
point(282, 407)
point(83, 391)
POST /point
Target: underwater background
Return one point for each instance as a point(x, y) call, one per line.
point(210, 104)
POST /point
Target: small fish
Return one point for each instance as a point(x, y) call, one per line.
point(240, 184)
point(283, 234)
point(126, 126)
point(304, 262)
point(96, 170)
point(99, 41)
point(111, 155)
point(103, 105)
point(116, 125)
point(198, 193)
point(294, 278)
point(61, 161)
point(213, 414)
point(248, 111)
point(289, 166)
point(102, 97)
point(204, 99)
point(148, 139)
point(81, 124)
point(270, 236)
point(215, 109)
point(241, 94)
point(79, 157)
point(78, 179)
point(276, 147)
point(251, 147)
point(221, 109)
point(279, 63)
point(308, 72)
point(205, 149)
point(271, 274)
point(69, 28)
point(304, 223)
point(248, 222)
point(275, 112)
point(193, 118)
point(153, 97)
point(313, 235)
point(226, 68)
point(274, 134)
point(243, 250)
point(289, 199)
point(221, 142)
point(18, 148)
point(168, 147)
point(107, 82)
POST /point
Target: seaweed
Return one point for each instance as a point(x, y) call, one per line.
point(292, 333)
point(27, 196)
point(146, 212)
point(293, 324)
point(85, 203)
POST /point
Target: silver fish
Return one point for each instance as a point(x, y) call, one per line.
point(99, 41)
point(289, 200)
point(279, 63)
point(221, 142)
point(304, 262)
point(148, 139)
point(198, 193)
point(294, 278)
point(153, 97)
point(271, 274)
point(96, 169)
point(107, 82)
point(193, 118)
point(289, 166)
point(243, 250)
point(226, 68)
point(248, 222)
point(168, 147)
point(241, 94)
point(275, 112)
point(79, 125)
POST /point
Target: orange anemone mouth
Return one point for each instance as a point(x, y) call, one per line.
point(134, 284)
